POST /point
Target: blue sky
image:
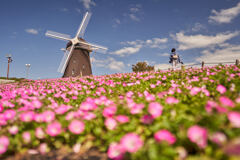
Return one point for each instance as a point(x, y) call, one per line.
point(133, 30)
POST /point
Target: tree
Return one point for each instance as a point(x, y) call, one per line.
point(142, 67)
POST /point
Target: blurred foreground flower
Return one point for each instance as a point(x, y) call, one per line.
point(198, 135)
point(165, 135)
point(234, 118)
point(131, 142)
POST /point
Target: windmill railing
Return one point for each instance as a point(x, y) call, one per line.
point(204, 64)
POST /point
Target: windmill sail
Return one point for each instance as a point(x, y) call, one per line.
point(57, 35)
point(62, 61)
point(90, 47)
point(67, 59)
point(83, 25)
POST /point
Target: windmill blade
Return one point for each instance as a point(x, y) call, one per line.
point(91, 46)
point(57, 35)
point(83, 25)
point(65, 62)
point(62, 61)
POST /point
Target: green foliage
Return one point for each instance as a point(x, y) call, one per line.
point(142, 67)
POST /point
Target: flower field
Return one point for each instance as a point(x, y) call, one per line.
point(189, 114)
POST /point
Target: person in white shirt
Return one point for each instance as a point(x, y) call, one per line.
point(174, 58)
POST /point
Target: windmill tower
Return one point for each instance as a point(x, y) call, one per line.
point(76, 59)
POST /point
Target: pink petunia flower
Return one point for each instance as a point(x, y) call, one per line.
point(129, 94)
point(76, 148)
point(89, 116)
point(39, 133)
point(76, 127)
point(13, 130)
point(225, 101)
point(147, 119)
point(221, 109)
point(54, 129)
point(3, 121)
point(172, 100)
point(109, 111)
point(155, 109)
point(48, 116)
point(136, 108)
point(37, 104)
point(88, 105)
point(198, 135)
point(43, 148)
point(70, 115)
point(221, 89)
point(39, 118)
point(165, 135)
point(115, 151)
point(110, 123)
point(74, 97)
point(4, 142)
point(26, 137)
point(237, 100)
point(131, 142)
point(27, 116)
point(234, 118)
point(152, 85)
point(206, 92)
point(62, 109)
point(1, 107)
point(210, 105)
point(195, 90)
point(150, 97)
point(218, 138)
point(122, 119)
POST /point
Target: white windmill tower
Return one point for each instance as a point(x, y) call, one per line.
point(76, 60)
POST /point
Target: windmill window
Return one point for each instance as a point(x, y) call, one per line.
point(73, 72)
point(74, 61)
point(83, 67)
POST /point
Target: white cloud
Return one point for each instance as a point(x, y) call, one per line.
point(127, 51)
point(155, 42)
point(135, 46)
point(134, 12)
point(152, 43)
point(31, 31)
point(117, 21)
point(109, 63)
point(116, 65)
point(202, 41)
point(134, 9)
point(224, 15)
point(164, 54)
point(88, 3)
point(226, 53)
point(198, 27)
point(134, 17)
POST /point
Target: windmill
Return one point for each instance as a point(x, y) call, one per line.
point(76, 59)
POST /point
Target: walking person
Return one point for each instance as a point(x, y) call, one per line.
point(174, 58)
